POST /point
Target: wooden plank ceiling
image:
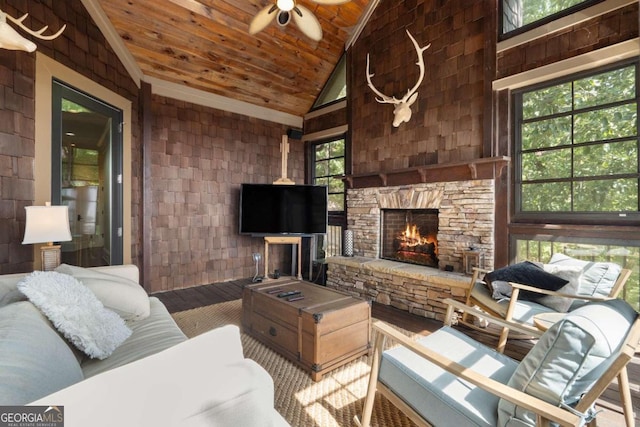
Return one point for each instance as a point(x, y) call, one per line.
point(205, 44)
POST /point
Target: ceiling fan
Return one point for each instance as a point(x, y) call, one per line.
point(284, 10)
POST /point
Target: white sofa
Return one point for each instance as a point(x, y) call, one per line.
point(157, 377)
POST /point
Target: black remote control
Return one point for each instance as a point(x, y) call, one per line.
point(288, 294)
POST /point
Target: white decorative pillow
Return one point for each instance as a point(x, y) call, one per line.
point(124, 296)
point(76, 312)
point(572, 275)
point(597, 278)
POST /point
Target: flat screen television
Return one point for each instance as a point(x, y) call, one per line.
point(267, 209)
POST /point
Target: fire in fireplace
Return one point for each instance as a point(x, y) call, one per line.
point(410, 235)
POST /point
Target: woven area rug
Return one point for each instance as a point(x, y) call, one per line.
point(331, 402)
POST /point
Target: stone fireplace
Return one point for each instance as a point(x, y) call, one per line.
point(410, 235)
point(464, 218)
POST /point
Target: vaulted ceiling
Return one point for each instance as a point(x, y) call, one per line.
point(205, 45)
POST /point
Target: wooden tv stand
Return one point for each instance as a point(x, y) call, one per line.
point(282, 240)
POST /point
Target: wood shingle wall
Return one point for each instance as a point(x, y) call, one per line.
point(446, 125)
point(200, 156)
point(80, 47)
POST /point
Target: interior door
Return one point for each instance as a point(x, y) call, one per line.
point(87, 175)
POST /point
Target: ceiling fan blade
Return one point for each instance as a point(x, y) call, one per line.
point(330, 2)
point(307, 22)
point(262, 19)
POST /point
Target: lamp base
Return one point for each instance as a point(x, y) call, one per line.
point(50, 257)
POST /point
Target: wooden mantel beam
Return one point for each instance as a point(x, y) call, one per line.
point(486, 168)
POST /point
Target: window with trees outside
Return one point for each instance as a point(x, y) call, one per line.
point(625, 256)
point(520, 15)
point(328, 159)
point(329, 169)
point(577, 162)
point(577, 148)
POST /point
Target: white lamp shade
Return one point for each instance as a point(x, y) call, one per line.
point(47, 224)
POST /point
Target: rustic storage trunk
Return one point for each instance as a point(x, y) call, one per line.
point(320, 332)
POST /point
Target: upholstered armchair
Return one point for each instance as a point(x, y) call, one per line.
point(577, 282)
point(447, 378)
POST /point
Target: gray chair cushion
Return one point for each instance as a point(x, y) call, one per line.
point(34, 360)
point(440, 397)
point(568, 359)
point(523, 311)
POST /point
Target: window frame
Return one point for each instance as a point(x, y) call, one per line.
point(312, 172)
point(603, 218)
point(328, 85)
point(540, 22)
point(335, 219)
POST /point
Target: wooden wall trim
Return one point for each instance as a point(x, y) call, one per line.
point(563, 23)
point(114, 39)
point(46, 70)
point(586, 61)
point(615, 234)
point(490, 67)
point(487, 168)
point(146, 120)
point(206, 99)
point(364, 19)
point(327, 133)
point(326, 110)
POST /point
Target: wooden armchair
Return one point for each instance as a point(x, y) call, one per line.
point(523, 312)
point(447, 378)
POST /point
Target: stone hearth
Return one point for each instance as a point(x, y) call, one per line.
point(416, 289)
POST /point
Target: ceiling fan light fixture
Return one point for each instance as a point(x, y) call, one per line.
point(285, 5)
point(303, 17)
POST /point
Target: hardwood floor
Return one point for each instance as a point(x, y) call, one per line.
point(611, 416)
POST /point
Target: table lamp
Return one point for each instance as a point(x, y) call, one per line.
point(47, 224)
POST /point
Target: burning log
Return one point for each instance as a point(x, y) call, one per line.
point(411, 246)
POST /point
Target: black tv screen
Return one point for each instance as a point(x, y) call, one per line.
point(283, 209)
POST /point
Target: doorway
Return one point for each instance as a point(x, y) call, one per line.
point(86, 175)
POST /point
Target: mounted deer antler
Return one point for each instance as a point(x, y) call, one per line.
point(402, 112)
point(10, 39)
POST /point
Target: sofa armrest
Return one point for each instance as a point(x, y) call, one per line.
point(203, 381)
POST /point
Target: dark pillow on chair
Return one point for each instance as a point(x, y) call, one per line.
point(526, 273)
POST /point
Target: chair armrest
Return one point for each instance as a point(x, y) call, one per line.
point(515, 326)
point(481, 270)
point(554, 293)
point(543, 409)
point(472, 281)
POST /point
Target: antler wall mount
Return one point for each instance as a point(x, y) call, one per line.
point(11, 39)
point(402, 111)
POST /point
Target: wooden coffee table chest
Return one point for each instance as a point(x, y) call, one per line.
point(320, 332)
